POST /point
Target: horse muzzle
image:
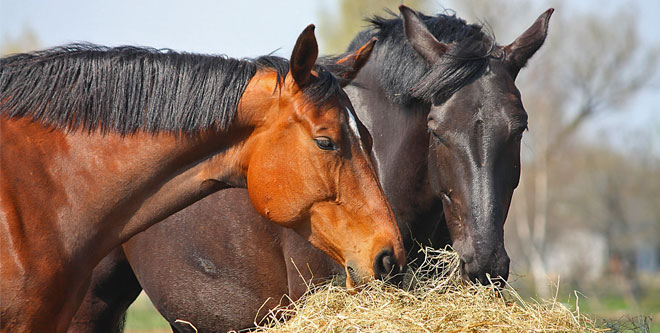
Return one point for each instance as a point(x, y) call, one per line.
point(486, 267)
point(385, 267)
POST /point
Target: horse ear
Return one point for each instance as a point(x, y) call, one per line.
point(524, 47)
point(353, 61)
point(304, 56)
point(420, 37)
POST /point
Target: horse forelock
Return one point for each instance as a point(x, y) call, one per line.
point(404, 74)
point(322, 88)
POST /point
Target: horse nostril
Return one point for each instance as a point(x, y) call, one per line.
point(485, 271)
point(467, 259)
point(385, 264)
point(350, 272)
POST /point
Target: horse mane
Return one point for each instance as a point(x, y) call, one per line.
point(127, 89)
point(407, 78)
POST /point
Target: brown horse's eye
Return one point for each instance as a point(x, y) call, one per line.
point(325, 143)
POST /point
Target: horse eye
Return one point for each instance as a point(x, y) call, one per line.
point(437, 138)
point(518, 134)
point(325, 143)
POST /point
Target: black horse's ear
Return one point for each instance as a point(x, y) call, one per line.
point(352, 62)
point(304, 56)
point(524, 47)
point(420, 37)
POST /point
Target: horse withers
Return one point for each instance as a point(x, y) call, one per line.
point(100, 143)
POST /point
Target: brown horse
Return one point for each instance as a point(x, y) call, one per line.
point(220, 278)
point(98, 144)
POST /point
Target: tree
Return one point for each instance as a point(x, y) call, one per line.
point(26, 41)
point(336, 30)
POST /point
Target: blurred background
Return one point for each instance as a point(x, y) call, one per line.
point(586, 215)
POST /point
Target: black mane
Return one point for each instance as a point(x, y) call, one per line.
point(407, 78)
point(127, 89)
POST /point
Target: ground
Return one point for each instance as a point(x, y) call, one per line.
point(610, 305)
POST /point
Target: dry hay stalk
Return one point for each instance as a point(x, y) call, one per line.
point(435, 301)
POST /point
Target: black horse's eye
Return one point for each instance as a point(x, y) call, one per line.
point(437, 138)
point(325, 143)
point(519, 134)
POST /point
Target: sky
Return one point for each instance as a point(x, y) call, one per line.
point(250, 28)
point(245, 28)
point(641, 126)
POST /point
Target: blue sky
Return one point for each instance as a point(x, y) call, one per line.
point(250, 28)
point(236, 28)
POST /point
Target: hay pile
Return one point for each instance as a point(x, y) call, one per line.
point(436, 301)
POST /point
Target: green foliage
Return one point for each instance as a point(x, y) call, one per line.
point(337, 29)
point(142, 316)
point(26, 41)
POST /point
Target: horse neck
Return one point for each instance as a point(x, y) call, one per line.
point(259, 105)
point(400, 149)
point(169, 172)
point(107, 187)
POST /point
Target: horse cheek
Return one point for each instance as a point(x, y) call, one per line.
point(270, 189)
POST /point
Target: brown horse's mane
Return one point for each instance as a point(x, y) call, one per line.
point(407, 78)
point(128, 89)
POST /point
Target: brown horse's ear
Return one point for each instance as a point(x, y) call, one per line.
point(353, 61)
point(420, 37)
point(524, 47)
point(304, 56)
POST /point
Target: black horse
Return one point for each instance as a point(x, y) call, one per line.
point(439, 98)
